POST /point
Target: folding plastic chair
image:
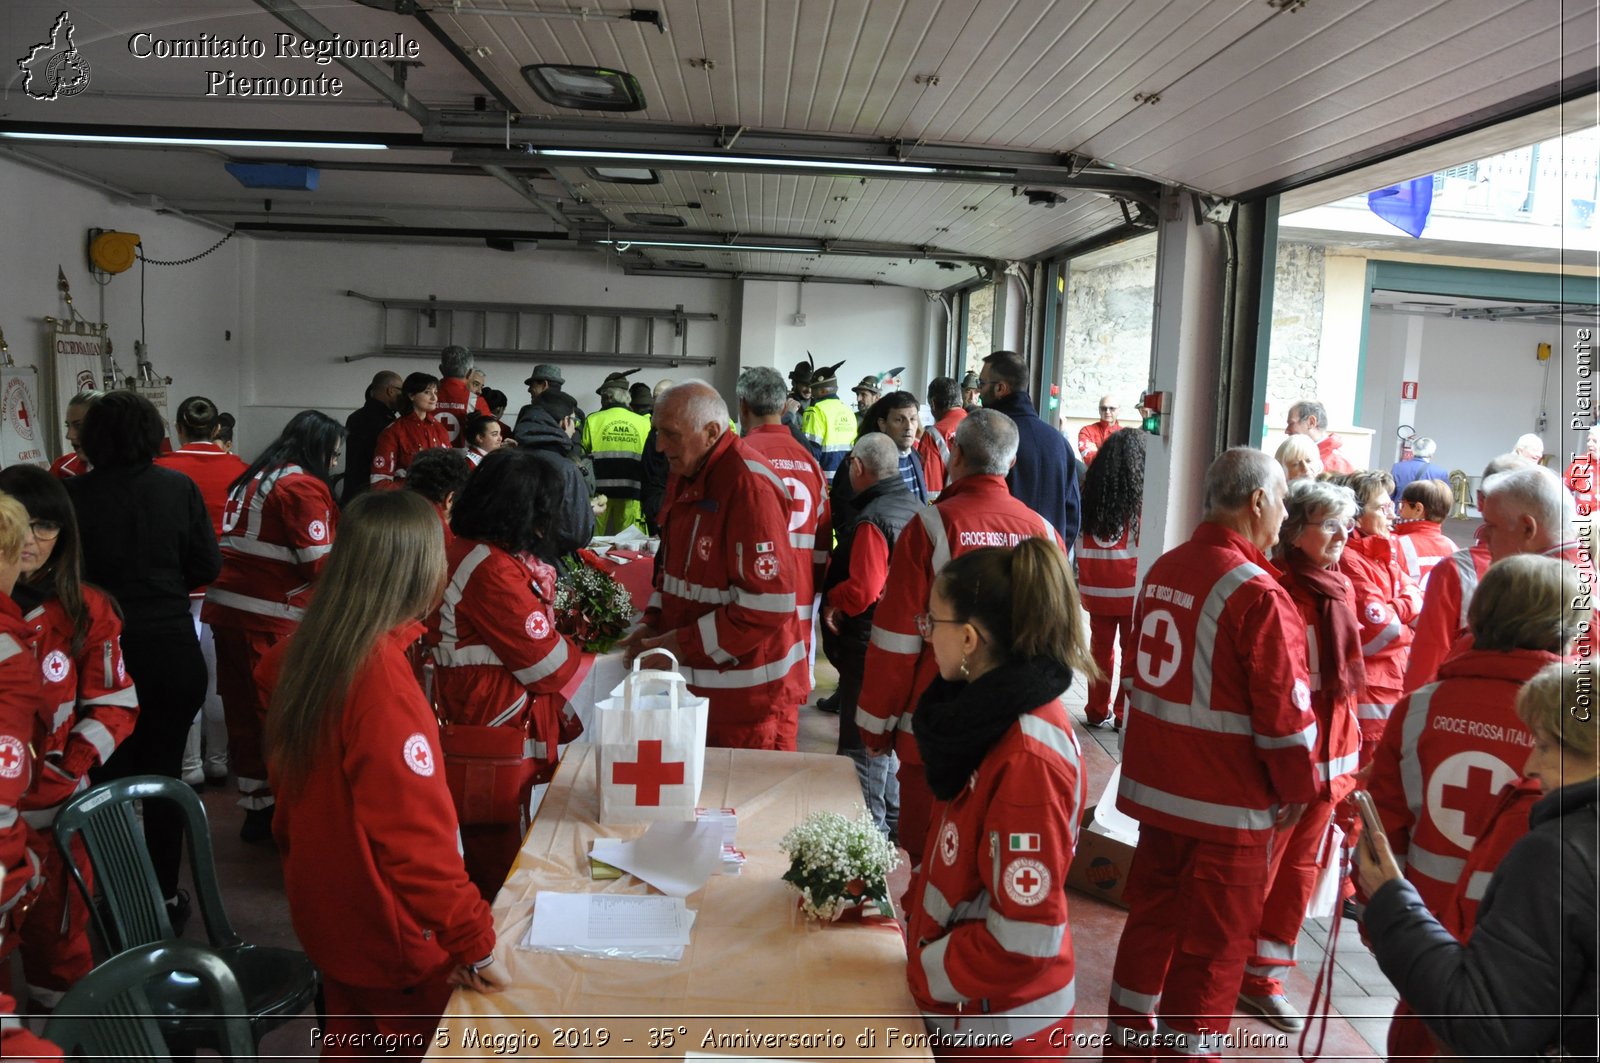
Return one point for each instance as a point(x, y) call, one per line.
point(111, 1013)
point(277, 984)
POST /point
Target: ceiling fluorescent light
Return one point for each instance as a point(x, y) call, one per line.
point(736, 160)
point(623, 245)
point(195, 142)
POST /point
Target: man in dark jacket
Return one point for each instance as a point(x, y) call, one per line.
point(362, 429)
point(546, 428)
point(1045, 477)
point(854, 582)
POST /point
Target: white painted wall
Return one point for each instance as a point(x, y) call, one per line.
point(874, 329)
point(1480, 386)
point(307, 326)
point(197, 318)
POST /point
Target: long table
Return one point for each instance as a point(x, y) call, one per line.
point(759, 979)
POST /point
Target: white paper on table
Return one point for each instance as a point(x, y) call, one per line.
point(675, 858)
point(609, 922)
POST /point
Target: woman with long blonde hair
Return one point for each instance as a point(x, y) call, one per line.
point(363, 812)
point(990, 946)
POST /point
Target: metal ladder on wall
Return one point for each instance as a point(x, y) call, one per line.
point(497, 331)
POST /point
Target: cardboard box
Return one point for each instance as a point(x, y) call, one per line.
point(1106, 840)
point(1100, 866)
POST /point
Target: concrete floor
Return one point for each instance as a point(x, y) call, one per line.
point(1362, 998)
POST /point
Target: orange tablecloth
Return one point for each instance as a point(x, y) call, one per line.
point(756, 968)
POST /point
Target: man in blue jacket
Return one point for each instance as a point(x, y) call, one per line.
point(1045, 477)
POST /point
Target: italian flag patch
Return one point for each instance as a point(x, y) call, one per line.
point(1023, 843)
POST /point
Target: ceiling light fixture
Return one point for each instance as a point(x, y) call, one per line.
point(667, 158)
point(193, 142)
point(585, 88)
point(623, 245)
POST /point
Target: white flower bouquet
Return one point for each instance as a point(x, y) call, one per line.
point(839, 864)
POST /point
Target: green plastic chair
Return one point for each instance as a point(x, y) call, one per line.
point(277, 984)
point(111, 1015)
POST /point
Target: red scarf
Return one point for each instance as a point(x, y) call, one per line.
point(1338, 633)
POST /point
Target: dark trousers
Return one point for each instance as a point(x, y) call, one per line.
point(170, 675)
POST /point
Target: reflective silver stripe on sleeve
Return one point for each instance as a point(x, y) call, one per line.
point(933, 524)
point(1440, 868)
point(763, 469)
point(1478, 885)
point(695, 592)
point(873, 724)
point(1268, 949)
point(707, 626)
point(259, 606)
point(126, 698)
point(743, 678)
point(1306, 738)
point(939, 985)
point(9, 647)
point(8, 817)
point(456, 590)
point(465, 656)
point(312, 553)
point(1063, 743)
point(1107, 592)
point(549, 665)
point(1198, 811)
point(1348, 764)
point(1038, 940)
point(1390, 632)
point(510, 713)
point(1018, 1023)
point(1413, 561)
point(62, 714)
point(95, 733)
point(1201, 718)
point(256, 548)
point(1410, 734)
point(894, 642)
point(1143, 1003)
point(764, 603)
point(938, 909)
point(1206, 627)
point(1370, 711)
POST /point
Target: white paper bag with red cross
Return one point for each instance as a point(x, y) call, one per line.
point(651, 739)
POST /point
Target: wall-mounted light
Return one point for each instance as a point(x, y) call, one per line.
point(191, 142)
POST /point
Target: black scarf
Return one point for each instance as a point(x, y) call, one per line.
point(956, 724)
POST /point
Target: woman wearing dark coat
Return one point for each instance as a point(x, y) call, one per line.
point(1524, 981)
point(147, 541)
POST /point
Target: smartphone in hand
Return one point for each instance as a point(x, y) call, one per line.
point(1368, 811)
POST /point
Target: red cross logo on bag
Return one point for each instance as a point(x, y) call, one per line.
point(649, 773)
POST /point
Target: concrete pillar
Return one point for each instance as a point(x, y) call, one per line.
point(1185, 361)
point(1344, 300)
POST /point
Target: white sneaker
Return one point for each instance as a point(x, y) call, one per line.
point(1275, 1009)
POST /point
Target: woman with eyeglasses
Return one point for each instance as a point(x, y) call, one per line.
point(1314, 537)
point(989, 944)
point(277, 530)
point(1388, 601)
point(414, 432)
point(89, 707)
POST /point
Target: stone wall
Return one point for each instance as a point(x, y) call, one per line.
point(1297, 299)
point(1110, 316)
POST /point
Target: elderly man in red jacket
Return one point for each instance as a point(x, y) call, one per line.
point(1219, 751)
point(1309, 417)
point(725, 597)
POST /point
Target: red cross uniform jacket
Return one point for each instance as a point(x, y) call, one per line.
point(1108, 573)
point(1507, 822)
point(21, 702)
point(1091, 437)
point(933, 447)
point(1422, 546)
point(1338, 728)
point(69, 465)
point(1219, 731)
point(1443, 619)
point(990, 948)
point(456, 402)
point(1450, 748)
point(277, 532)
point(212, 469)
point(90, 702)
point(973, 512)
point(1387, 602)
point(727, 585)
point(371, 851)
point(495, 645)
point(810, 523)
point(402, 441)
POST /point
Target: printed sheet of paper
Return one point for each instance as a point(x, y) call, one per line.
point(675, 858)
point(612, 924)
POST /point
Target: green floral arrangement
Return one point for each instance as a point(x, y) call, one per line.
point(591, 608)
point(837, 864)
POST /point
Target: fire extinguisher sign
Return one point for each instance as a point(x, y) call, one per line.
point(1408, 389)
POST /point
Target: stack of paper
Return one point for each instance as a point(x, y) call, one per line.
point(614, 925)
point(727, 820)
point(675, 858)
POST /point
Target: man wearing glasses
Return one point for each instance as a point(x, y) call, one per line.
point(1092, 436)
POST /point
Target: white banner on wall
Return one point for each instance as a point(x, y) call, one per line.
point(22, 429)
point(77, 359)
